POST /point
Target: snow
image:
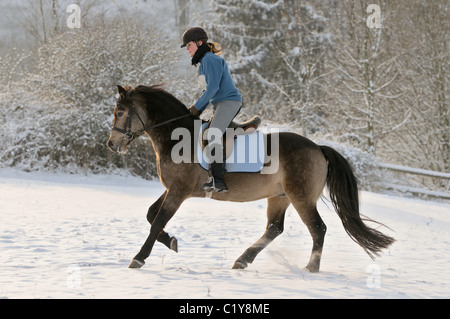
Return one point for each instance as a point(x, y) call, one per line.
point(266, 6)
point(73, 236)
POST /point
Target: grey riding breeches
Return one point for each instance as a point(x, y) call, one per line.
point(224, 113)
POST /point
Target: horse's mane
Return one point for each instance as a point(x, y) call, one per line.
point(149, 89)
point(160, 98)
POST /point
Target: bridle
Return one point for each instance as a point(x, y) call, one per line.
point(127, 131)
point(130, 136)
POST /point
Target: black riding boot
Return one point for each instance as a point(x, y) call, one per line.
point(217, 183)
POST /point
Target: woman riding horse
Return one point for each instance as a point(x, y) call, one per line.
point(220, 91)
point(303, 171)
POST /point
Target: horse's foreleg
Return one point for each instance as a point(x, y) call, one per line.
point(163, 237)
point(276, 208)
point(169, 206)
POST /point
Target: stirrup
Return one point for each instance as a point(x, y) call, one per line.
point(213, 186)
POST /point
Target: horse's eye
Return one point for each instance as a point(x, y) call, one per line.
point(119, 114)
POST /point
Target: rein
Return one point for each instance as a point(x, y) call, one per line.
point(171, 120)
point(130, 135)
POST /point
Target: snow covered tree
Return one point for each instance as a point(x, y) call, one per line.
point(276, 50)
point(420, 38)
point(188, 12)
point(366, 71)
point(58, 114)
point(390, 86)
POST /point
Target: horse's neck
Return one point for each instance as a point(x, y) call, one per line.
point(162, 141)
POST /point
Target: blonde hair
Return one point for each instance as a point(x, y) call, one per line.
point(215, 48)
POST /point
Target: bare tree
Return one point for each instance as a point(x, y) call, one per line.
point(42, 20)
point(366, 71)
point(182, 13)
point(422, 38)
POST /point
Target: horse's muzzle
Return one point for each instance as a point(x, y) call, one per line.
point(113, 147)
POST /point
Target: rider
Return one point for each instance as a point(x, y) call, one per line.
point(220, 91)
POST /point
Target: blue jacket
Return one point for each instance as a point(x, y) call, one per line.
point(219, 84)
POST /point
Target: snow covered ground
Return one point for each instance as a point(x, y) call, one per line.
point(72, 236)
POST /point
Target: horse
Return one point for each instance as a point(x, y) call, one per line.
point(304, 169)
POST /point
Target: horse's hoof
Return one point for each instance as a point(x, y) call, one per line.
point(174, 244)
point(239, 265)
point(136, 264)
point(312, 268)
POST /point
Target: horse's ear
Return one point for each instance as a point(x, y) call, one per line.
point(122, 92)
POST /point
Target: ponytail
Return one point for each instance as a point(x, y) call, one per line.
point(215, 48)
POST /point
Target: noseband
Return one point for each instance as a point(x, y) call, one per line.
point(130, 135)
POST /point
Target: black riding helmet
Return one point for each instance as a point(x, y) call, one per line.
point(194, 34)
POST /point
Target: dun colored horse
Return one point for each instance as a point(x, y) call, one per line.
point(304, 168)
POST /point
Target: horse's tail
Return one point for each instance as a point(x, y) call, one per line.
point(343, 187)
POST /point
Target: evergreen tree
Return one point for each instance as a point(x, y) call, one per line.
point(276, 51)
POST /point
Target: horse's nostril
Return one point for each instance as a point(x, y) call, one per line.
point(110, 145)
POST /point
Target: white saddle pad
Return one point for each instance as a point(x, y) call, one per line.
point(248, 153)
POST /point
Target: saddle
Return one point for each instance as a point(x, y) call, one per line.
point(254, 122)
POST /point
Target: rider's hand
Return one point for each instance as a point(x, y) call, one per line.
point(194, 111)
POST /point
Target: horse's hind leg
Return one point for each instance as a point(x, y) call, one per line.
point(276, 208)
point(163, 237)
point(310, 216)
